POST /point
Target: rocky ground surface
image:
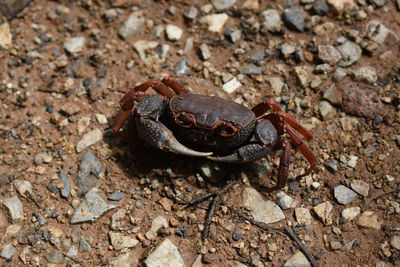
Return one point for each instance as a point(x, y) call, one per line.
point(71, 195)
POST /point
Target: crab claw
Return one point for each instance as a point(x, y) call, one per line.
point(172, 145)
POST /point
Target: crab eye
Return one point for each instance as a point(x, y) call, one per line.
point(226, 130)
point(184, 120)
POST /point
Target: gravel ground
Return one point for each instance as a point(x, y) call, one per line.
point(71, 195)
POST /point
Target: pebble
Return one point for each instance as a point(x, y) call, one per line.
point(271, 20)
point(302, 74)
point(235, 36)
point(23, 186)
point(352, 162)
point(368, 219)
point(92, 207)
point(320, 8)
point(72, 252)
point(339, 5)
point(395, 242)
point(165, 254)
point(294, 19)
point(74, 45)
point(173, 32)
point(43, 157)
point(297, 260)
point(303, 216)
point(348, 124)
point(66, 189)
point(119, 241)
point(209, 258)
point(350, 213)
point(324, 29)
point(222, 4)
point(5, 36)
point(205, 51)
point(329, 54)
point(54, 257)
point(285, 201)
point(326, 110)
point(126, 259)
point(323, 212)
point(360, 187)
point(8, 251)
point(116, 196)
point(343, 194)
point(83, 123)
point(231, 86)
point(287, 50)
point(70, 108)
point(351, 53)
point(10, 233)
point(101, 118)
point(379, 3)
point(84, 245)
point(132, 25)
point(261, 209)
point(215, 22)
point(15, 208)
point(365, 74)
point(181, 68)
point(276, 84)
point(332, 94)
point(191, 13)
point(251, 69)
point(90, 168)
point(156, 224)
point(142, 46)
point(89, 139)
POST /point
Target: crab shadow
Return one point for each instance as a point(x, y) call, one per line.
point(148, 162)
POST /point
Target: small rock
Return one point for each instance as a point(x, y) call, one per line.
point(251, 69)
point(365, 74)
point(54, 257)
point(344, 195)
point(323, 211)
point(191, 13)
point(72, 252)
point(215, 22)
point(360, 187)
point(83, 123)
point(231, 86)
point(205, 51)
point(84, 246)
point(181, 68)
point(142, 46)
point(8, 251)
point(350, 213)
point(332, 94)
point(303, 216)
point(23, 186)
point(352, 162)
point(277, 85)
point(348, 124)
point(92, 207)
point(174, 33)
point(5, 36)
point(209, 258)
point(326, 110)
point(378, 3)
point(165, 254)
point(324, 29)
point(74, 45)
point(335, 245)
point(90, 168)
point(395, 242)
point(303, 75)
point(124, 260)
point(368, 219)
point(339, 6)
point(285, 201)
point(320, 8)
point(234, 36)
point(70, 108)
point(294, 19)
point(287, 50)
point(328, 54)
point(339, 74)
point(351, 53)
point(15, 208)
point(119, 241)
point(66, 189)
point(297, 260)
point(89, 139)
point(271, 20)
point(116, 196)
point(223, 4)
point(156, 224)
point(43, 157)
point(261, 209)
point(332, 165)
point(132, 25)
point(101, 118)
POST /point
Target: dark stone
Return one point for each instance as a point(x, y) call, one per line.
point(294, 19)
point(320, 8)
point(332, 165)
point(66, 190)
point(237, 234)
point(90, 168)
point(209, 258)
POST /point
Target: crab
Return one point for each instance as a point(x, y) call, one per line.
point(212, 127)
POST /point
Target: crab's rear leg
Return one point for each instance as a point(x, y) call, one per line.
point(136, 94)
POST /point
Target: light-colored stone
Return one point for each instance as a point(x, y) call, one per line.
point(101, 118)
point(156, 224)
point(124, 260)
point(231, 86)
point(303, 216)
point(365, 74)
point(15, 208)
point(83, 123)
point(223, 4)
point(165, 254)
point(339, 6)
point(119, 241)
point(271, 20)
point(132, 25)
point(74, 45)
point(89, 139)
point(360, 187)
point(297, 260)
point(285, 201)
point(323, 211)
point(343, 194)
point(395, 242)
point(5, 36)
point(142, 46)
point(261, 209)
point(22, 186)
point(277, 85)
point(173, 32)
point(368, 219)
point(215, 22)
point(350, 213)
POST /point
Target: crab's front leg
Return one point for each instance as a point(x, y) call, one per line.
point(154, 132)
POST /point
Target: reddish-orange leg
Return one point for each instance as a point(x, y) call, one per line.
point(284, 124)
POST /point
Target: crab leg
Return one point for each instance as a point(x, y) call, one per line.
point(177, 87)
